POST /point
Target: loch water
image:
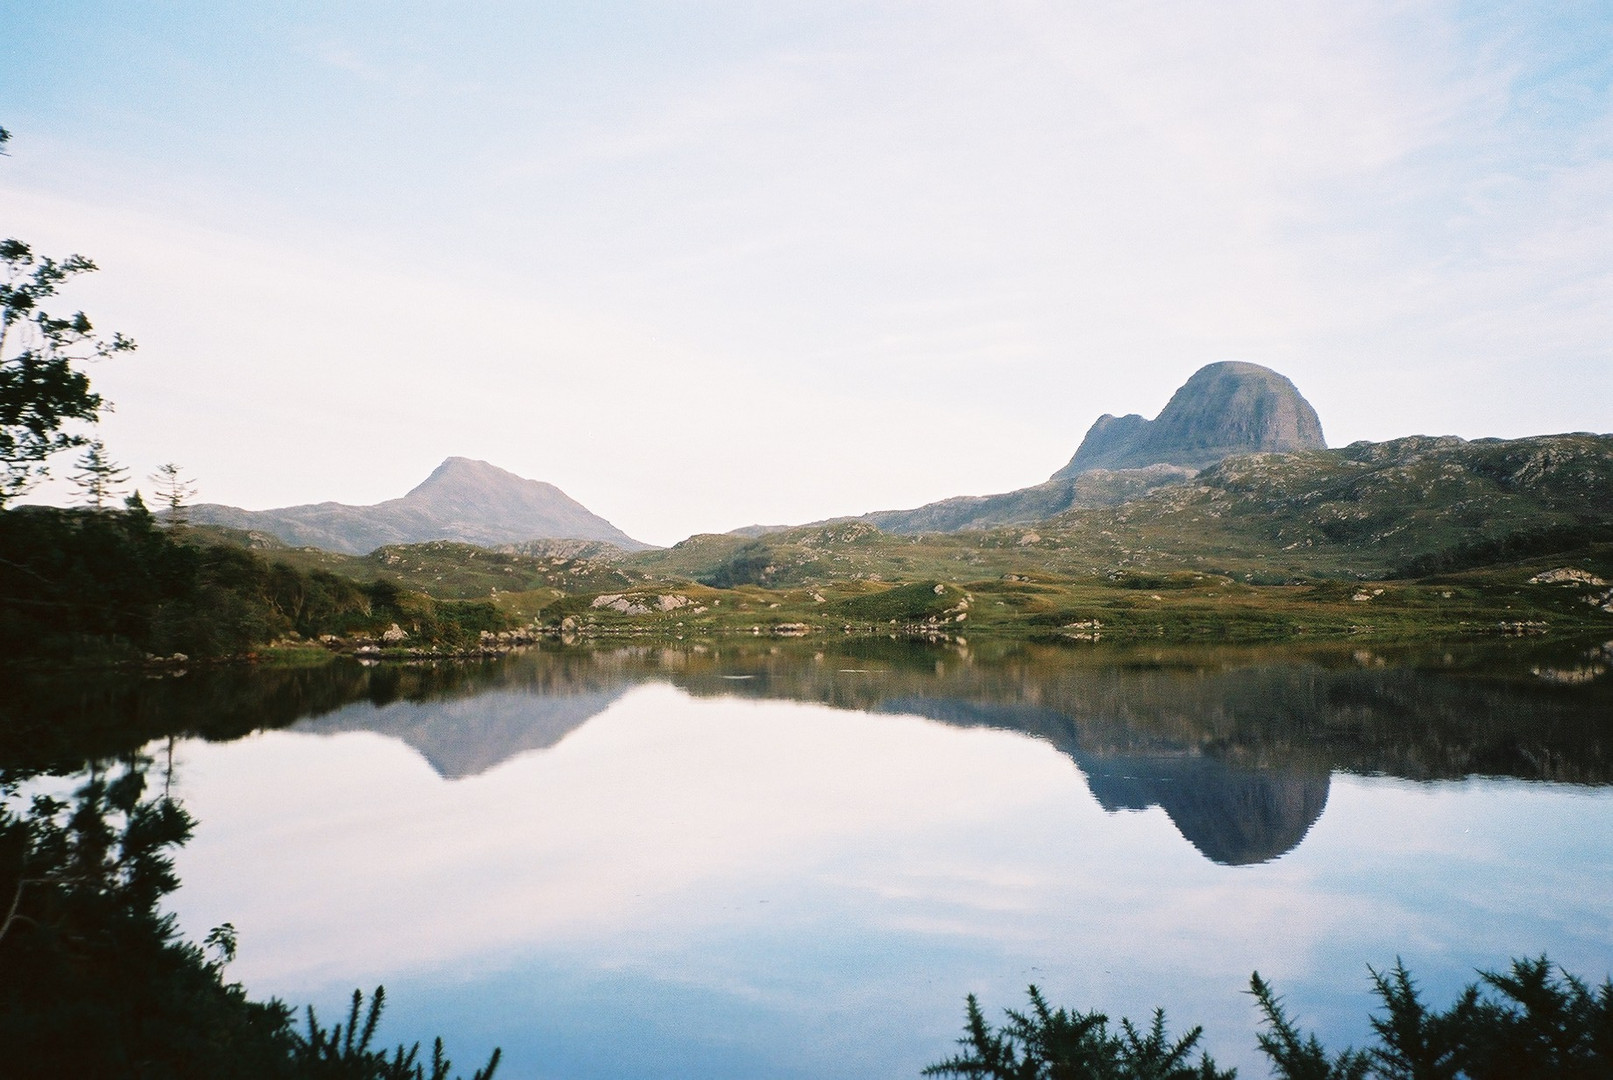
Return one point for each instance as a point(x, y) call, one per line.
point(794, 860)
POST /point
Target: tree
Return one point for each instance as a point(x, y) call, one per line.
point(174, 490)
point(42, 386)
point(1058, 1044)
point(99, 476)
point(99, 981)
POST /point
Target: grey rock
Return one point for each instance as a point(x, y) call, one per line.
point(1224, 409)
point(1566, 575)
point(1098, 487)
point(462, 500)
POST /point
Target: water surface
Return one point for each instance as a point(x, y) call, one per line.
point(793, 862)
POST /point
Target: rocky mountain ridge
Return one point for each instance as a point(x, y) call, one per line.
point(463, 500)
point(1223, 409)
point(1406, 507)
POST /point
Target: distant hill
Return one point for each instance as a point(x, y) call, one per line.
point(1093, 488)
point(1224, 409)
point(1411, 506)
point(463, 500)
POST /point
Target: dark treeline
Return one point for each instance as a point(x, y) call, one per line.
point(117, 585)
point(98, 981)
point(1530, 1021)
point(52, 723)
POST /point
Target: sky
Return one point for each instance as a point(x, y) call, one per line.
point(706, 265)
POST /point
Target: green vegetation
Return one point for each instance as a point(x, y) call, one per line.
point(1414, 538)
point(115, 585)
point(42, 384)
point(1417, 539)
point(98, 981)
point(904, 603)
point(520, 580)
point(1178, 606)
point(1060, 1045)
point(1370, 511)
point(1529, 1021)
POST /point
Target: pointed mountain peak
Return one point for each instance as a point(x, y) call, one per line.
point(468, 474)
point(463, 499)
point(481, 499)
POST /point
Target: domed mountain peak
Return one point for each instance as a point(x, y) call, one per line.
point(1226, 408)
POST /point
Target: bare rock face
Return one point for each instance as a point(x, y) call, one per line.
point(1224, 409)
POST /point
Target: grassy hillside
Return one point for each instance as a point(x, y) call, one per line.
point(1365, 512)
point(1417, 537)
point(521, 578)
point(114, 585)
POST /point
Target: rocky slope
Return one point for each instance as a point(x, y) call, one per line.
point(1224, 409)
point(1415, 505)
point(1411, 506)
point(464, 500)
point(1097, 487)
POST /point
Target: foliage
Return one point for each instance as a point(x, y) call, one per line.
point(750, 565)
point(98, 981)
point(1055, 1044)
point(174, 490)
point(1526, 1021)
point(99, 476)
point(42, 384)
point(344, 1053)
point(905, 603)
point(1294, 1056)
point(1529, 1021)
point(76, 583)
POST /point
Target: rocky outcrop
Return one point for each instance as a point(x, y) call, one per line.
point(463, 500)
point(1099, 487)
point(1224, 409)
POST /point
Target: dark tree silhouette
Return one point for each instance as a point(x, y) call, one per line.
point(42, 382)
point(174, 490)
point(99, 477)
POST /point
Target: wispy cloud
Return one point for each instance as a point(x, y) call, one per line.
point(1013, 218)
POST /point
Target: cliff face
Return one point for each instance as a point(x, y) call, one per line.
point(1224, 409)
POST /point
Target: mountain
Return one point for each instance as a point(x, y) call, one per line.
point(464, 500)
point(470, 735)
point(1092, 488)
point(1405, 508)
point(1224, 409)
point(1235, 816)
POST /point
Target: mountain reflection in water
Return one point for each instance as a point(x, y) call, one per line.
point(1235, 747)
point(792, 859)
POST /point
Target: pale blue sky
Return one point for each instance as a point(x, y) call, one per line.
point(703, 265)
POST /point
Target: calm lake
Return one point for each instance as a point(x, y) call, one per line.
point(756, 861)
